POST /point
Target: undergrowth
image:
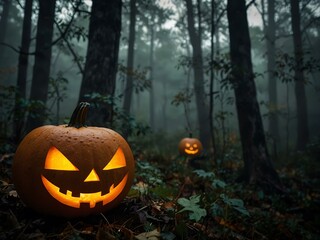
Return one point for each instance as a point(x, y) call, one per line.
point(171, 199)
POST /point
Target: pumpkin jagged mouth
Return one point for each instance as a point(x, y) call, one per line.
point(191, 151)
point(90, 198)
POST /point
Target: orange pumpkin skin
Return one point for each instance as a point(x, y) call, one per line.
point(85, 189)
point(190, 147)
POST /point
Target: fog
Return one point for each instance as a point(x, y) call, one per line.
point(171, 75)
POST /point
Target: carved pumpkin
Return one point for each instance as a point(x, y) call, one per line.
point(73, 170)
point(190, 146)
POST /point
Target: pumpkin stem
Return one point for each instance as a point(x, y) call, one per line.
point(79, 115)
point(190, 134)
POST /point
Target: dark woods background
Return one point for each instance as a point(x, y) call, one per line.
point(165, 67)
point(242, 76)
point(168, 68)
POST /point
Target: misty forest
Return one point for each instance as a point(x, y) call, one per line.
point(199, 119)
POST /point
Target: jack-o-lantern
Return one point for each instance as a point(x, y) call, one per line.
point(73, 170)
point(190, 146)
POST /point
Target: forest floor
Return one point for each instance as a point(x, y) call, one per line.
point(172, 200)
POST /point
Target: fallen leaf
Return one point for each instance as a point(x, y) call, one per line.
point(153, 235)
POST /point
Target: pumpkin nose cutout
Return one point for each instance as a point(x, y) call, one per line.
point(93, 176)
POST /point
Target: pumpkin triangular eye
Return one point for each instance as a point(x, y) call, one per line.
point(118, 161)
point(55, 160)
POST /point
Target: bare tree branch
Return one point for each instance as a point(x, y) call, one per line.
point(75, 56)
point(250, 3)
point(16, 49)
point(64, 33)
point(312, 20)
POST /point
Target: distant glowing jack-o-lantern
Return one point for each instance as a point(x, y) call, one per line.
point(73, 170)
point(190, 146)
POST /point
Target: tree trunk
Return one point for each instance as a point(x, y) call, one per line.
point(22, 70)
point(4, 23)
point(130, 62)
point(273, 98)
point(41, 69)
point(201, 103)
point(211, 101)
point(130, 58)
point(164, 126)
point(151, 62)
point(258, 168)
point(102, 60)
point(301, 101)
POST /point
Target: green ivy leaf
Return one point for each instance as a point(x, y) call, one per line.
point(194, 200)
point(218, 184)
point(242, 210)
point(235, 203)
point(204, 174)
point(197, 215)
point(184, 202)
point(192, 205)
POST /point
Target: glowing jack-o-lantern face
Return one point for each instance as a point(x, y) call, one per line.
point(91, 192)
point(73, 171)
point(191, 149)
point(190, 146)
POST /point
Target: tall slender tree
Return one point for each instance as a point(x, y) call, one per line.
point(130, 58)
point(22, 69)
point(102, 58)
point(272, 88)
point(211, 102)
point(151, 71)
point(4, 22)
point(258, 168)
point(201, 102)
point(41, 69)
point(301, 100)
